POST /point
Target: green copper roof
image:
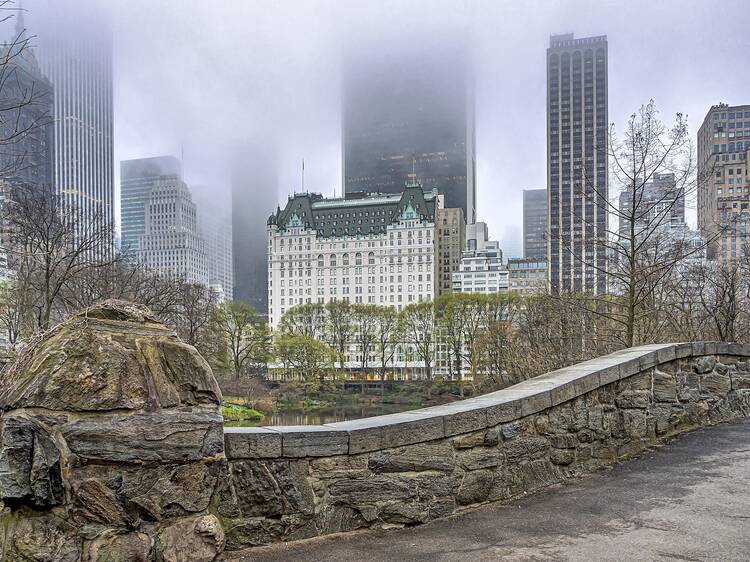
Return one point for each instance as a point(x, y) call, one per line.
point(357, 215)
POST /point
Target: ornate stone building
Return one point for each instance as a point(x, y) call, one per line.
point(363, 248)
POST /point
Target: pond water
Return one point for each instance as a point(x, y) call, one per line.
point(325, 415)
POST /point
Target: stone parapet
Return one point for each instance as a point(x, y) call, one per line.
point(288, 483)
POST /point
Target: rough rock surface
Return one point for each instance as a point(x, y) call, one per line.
point(112, 444)
point(267, 500)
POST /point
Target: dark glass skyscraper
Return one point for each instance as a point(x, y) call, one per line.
point(254, 197)
point(404, 110)
point(26, 114)
point(577, 193)
point(535, 223)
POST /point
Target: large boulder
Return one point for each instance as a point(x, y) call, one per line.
point(112, 439)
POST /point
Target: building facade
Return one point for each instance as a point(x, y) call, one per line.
point(376, 249)
point(660, 202)
point(26, 125)
point(254, 192)
point(527, 276)
point(138, 177)
point(410, 110)
point(481, 271)
point(75, 52)
point(171, 244)
point(215, 227)
point(724, 181)
point(535, 223)
point(451, 234)
point(577, 163)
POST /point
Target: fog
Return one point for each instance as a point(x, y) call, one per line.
point(195, 78)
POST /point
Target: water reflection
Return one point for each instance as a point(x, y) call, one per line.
point(325, 415)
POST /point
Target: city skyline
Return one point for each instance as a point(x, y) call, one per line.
point(167, 122)
point(507, 111)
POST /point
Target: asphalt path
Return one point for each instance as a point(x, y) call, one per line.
point(686, 500)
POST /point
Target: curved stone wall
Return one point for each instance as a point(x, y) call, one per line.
point(287, 483)
point(112, 446)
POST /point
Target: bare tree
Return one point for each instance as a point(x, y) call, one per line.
point(247, 335)
point(387, 339)
point(339, 329)
point(418, 329)
point(307, 320)
point(365, 321)
point(653, 169)
point(50, 245)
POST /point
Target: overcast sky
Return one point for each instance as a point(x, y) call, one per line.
point(199, 76)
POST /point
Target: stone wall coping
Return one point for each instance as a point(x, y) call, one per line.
point(472, 414)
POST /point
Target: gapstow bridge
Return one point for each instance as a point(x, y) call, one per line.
point(113, 446)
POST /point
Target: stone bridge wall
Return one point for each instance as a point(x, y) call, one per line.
point(111, 445)
point(288, 483)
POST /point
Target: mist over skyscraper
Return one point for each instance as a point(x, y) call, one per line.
point(75, 52)
point(254, 196)
point(411, 109)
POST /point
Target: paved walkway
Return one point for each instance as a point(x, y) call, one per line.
point(688, 500)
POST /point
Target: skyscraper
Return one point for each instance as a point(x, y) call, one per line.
point(577, 182)
point(26, 125)
point(215, 227)
point(75, 52)
point(724, 181)
point(171, 243)
point(137, 179)
point(254, 196)
point(26, 115)
point(535, 223)
point(411, 110)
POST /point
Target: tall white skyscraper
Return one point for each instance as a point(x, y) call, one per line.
point(171, 244)
point(75, 53)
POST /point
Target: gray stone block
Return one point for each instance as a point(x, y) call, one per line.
point(312, 441)
point(503, 411)
point(683, 350)
point(393, 430)
point(251, 443)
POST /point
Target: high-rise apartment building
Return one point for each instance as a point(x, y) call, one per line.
point(659, 202)
point(411, 110)
point(724, 181)
point(451, 235)
point(254, 195)
point(535, 223)
point(75, 52)
point(171, 243)
point(371, 249)
point(527, 276)
point(577, 184)
point(137, 179)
